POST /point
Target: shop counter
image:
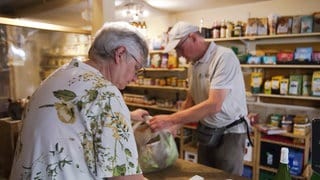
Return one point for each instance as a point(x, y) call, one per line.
point(185, 170)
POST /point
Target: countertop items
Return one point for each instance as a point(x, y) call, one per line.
point(185, 170)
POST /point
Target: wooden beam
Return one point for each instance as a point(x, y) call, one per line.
point(49, 5)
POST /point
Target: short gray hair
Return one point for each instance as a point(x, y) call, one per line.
point(115, 34)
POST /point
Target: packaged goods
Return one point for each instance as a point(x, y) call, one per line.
point(172, 61)
point(164, 60)
point(315, 85)
point(262, 26)
point(316, 57)
point(303, 55)
point(316, 22)
point(256, 82)
point(272, 23)
point(285, 57)
point(269, 59)
point(295, 85)
point(306, 24)
point(295, 161)
point(284, 86)
point(301, 129)
point(296, 24)
point(275, 120)
point(252, 27)
point(267, 87)
point(275, 84)
point(155, 61)
point(306, 85)
point(254, 60)
point(284, 25)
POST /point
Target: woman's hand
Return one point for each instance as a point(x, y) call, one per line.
point(138, 114)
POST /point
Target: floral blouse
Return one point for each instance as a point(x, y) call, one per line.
point(76, 126)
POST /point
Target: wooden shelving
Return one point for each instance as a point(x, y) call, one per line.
point(155, 107)
point(157, 87)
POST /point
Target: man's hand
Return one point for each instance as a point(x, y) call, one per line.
point(161, 122)
point(139, 114)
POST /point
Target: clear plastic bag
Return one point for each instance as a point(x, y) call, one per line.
point(156, 150)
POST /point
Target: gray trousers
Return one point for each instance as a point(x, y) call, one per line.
point(228, 156)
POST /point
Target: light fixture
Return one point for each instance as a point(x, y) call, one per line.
point(134, 11)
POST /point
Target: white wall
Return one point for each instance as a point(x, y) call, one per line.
point(241, 12)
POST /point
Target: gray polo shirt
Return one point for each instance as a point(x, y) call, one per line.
point(219, 68)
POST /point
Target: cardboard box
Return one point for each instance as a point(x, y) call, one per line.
point(192, 157)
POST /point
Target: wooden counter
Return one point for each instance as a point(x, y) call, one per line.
point(184, 170)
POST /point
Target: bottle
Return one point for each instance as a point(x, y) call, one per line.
point(237, 32)
point(223, 29)
point(216, 30)
point(283, 170)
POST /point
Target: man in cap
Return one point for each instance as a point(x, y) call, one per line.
point(216, 97)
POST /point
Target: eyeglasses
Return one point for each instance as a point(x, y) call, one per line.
point(179, 46)
point(139, 69)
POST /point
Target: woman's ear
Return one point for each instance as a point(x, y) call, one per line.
point(119, 53)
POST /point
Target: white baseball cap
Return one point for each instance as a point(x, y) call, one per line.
point(178, 31)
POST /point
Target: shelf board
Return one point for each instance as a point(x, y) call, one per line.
point(190, 148)
point(181, 69)
point(313, 98)
point(156, 51)
point(275, 171)
point(151, 107)
point(158, 87)
point(248, 163)
point(304, 66)
point(65, 55)
point(253, 38)
point(300, 146)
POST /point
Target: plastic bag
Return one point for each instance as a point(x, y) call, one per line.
point(156, 150)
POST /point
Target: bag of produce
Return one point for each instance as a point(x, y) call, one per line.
point(157, 150)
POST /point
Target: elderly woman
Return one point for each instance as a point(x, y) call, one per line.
point(77, 125)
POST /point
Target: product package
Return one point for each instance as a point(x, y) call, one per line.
point(295, 85)
point(284, 25)
point(296, 24)
point(316, 22)
point(303, 55)
point(306, 24)
point(315, 85)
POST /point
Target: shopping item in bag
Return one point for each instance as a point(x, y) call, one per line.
point(156, 150)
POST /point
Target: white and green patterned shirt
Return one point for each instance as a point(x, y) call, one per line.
point(76, 126)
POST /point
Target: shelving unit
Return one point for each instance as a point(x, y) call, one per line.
point(165, 94)
point(305, 147)
point(248, 44)
point(51, 62)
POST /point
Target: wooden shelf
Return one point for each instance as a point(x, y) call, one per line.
point(300, 146)
point(156, 51)
point(158, 87)
point(248, 163)
point(65, 55)
point(275, 171)
point(255, 38)
point(190, 148)
point(304, 66)
point(312, 98)
point(151, 107)
point(181, 69)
